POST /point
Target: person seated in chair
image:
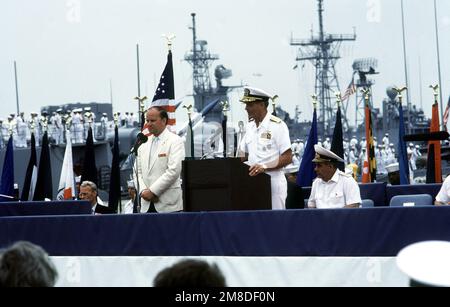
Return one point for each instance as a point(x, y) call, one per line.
point(88, 191)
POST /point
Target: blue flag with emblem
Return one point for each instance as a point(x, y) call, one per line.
point(7, 184)
point(306, 173)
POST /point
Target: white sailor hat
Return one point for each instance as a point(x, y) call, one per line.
point(78, 179)
point(105, 114)
point(291, 169)
point(325, 155)
point(1, 120)
point(130, 184)
point(59, 110)
point(33, 113)
point(87, 108)
point(392, 168)
point(426, 263)
point(252, 94)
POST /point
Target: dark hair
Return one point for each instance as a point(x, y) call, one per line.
point(190, 273)
point(162, 113)
point(25, 264)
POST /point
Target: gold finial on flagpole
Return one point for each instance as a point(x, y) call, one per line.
point(435, 89)
point(400, 91)
point(315, 101)
point(189, 110)
point(338, 98)
point(116, 119)
point(366, 92)
point(169, 37)
point(273, 102)
point(225, 107)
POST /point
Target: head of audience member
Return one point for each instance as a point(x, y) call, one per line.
point(157, 119)
point(393, 173)
point(88, 191)
point(426, 263)
point(131, 189)
point(25, 264)
point(326, 162)
point(190, 273)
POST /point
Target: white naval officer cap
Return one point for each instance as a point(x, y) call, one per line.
point(291, 169)
point(392, 168)
point(426, 263)
point(78, 179)
point(252, 94)
point(325, 155)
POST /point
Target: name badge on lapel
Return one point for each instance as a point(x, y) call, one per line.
point(266, 135)
point(162, 155)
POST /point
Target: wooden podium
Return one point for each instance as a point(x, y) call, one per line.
point(223, 185)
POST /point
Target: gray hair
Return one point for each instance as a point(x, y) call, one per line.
point(25, 264)
point(89, 184)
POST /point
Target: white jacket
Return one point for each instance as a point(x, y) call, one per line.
point(161, 173)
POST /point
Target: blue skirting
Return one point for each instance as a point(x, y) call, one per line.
point(344, 232)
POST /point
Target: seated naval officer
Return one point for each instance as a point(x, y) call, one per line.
point(332, 189)
point(393, 173)
point(266, 144)
point(443, 197)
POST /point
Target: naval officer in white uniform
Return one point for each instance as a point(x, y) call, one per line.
point(332, 189)
point(266, 144)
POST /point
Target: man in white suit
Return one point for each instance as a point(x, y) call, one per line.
point(159, 166)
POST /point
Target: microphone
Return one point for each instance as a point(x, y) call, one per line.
point(140, 139)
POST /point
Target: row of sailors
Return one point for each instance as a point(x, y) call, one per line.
point(21, 129)
point(384, 154)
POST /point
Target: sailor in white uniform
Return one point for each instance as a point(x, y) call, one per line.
point(128, 207)
point(332, 189)
point(266, 144)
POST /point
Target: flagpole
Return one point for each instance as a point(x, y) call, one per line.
point(438, 60)
point(408, 101)
point(138, 74)
point(17, 88)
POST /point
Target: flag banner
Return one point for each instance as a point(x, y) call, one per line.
point(165, 95)
point(66, 187)
point(337, 143)
point(370, 149)
point(44, 183)
point(89, 171)
point(224, 135)
point(402, 153)
point(114, 179)
point(7, 183)
point(434, 170)
point(351, 90)
point(31, 175)
point(306, 173)
point(446, 114)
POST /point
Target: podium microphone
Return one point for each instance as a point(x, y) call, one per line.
point(140, 139)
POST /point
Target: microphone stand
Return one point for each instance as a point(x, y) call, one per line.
point(133, 156)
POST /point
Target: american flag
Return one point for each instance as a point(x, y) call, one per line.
point(351, 89)
point(446, 114)
point(165, 95)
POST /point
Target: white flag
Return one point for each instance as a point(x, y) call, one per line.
point(66, 188)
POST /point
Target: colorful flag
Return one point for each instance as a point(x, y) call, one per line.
point(89, 171)
point(402, 153)
point(434, 171)
point(44, 182)
point(165, 95)
point(66, 187)
point(446, 114)
point(337, 143)
point(114, 179)
point(7, 184)
point(371, 165)
point(31, 175)
point(351, 89)
point(306, 173)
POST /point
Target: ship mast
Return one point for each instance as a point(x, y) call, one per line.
point(323, 52)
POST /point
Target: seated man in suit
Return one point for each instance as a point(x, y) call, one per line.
point(159, 166)
point(88, 191)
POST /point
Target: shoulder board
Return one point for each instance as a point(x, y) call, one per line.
point(345, 175)
point(275, 119)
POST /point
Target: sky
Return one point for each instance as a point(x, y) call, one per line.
point(72, 50)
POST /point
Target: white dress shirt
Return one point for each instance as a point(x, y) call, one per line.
point(339, 191)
